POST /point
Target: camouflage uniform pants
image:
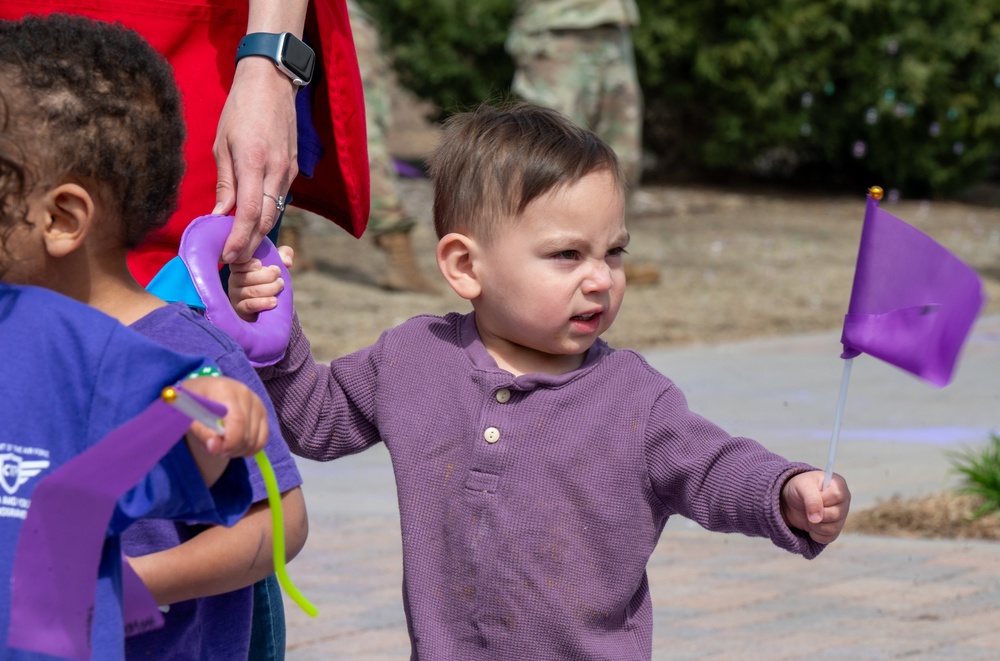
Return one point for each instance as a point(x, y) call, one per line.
point(588, 75)
point(387, 214)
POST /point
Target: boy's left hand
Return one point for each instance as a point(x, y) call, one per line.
point(820, 513)
point(253, 288)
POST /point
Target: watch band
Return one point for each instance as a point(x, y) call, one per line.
point(289, 53)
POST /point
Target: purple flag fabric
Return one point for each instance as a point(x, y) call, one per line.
point(54, 581)
point(913, 302)
point(139, 610)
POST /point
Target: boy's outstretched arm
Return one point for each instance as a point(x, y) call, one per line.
point(245, 425)
point(221, 559)
point(819, 512)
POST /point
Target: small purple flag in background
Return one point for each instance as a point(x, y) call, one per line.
point(913, 302)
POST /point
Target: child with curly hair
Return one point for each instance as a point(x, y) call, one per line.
point(72, 376)
point(96, 109)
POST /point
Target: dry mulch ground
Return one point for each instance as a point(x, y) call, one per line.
point(944, 515)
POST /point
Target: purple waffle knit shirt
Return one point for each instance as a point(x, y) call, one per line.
point(529, 505)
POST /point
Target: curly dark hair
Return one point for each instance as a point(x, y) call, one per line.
point(94, 102)
point(13, 181)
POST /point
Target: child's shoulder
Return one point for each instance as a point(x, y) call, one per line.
point(40, 305)
point(185, 330)
point(428, 319)
point(631, 366)
point(423, 334)
point(421, 324)
point(44, 318)
point(626, 358)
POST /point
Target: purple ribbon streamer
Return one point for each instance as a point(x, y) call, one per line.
point(141, 614)
point(54, 581)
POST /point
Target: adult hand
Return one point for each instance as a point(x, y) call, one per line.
point(256, 153)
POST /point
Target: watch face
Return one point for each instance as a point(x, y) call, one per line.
point(298, 58)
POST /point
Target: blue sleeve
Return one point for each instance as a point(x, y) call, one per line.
point(133, 373)
point(174, 490)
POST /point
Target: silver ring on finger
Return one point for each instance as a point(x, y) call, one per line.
point(279, 201)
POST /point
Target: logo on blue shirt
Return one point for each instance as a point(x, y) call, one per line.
point(15, 471)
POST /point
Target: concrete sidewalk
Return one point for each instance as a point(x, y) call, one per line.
point(725, 596)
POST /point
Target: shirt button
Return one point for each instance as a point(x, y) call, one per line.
point(503, 395)
point(492, 435)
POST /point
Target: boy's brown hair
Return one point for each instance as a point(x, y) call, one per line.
point(493, 162)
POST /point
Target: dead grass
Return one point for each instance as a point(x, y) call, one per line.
point(943, 515)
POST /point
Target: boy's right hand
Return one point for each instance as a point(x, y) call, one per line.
point(819, 512)
point(253, 288)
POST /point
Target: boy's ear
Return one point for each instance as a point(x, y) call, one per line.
point(456, 254)
point(69, 217)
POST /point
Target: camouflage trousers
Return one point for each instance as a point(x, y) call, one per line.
point(589, 76)
point(387, 214)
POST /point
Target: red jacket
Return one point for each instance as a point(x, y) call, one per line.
point(199, 39)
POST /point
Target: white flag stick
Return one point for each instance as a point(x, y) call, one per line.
point(844, 381)
point(192, 408)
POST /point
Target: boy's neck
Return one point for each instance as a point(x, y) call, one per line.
point(103, 281)
point(520, 360)
point(528, 362)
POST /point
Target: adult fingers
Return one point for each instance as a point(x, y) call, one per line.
point(225, 183)
point(255, 215)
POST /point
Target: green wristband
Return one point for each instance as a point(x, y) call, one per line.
point(207, 370)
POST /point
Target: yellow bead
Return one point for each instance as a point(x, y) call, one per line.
point(169, 395)
point(876, 192)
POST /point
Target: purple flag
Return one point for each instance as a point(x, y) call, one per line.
point(913, 302)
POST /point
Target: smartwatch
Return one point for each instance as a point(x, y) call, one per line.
point(289, 53)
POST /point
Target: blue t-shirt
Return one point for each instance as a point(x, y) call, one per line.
point(216, 627)
point(72, 376)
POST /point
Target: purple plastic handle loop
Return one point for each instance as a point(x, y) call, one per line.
point(263, 340)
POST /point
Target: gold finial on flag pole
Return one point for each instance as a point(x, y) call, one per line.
point(192, 408)
point(876, 192)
